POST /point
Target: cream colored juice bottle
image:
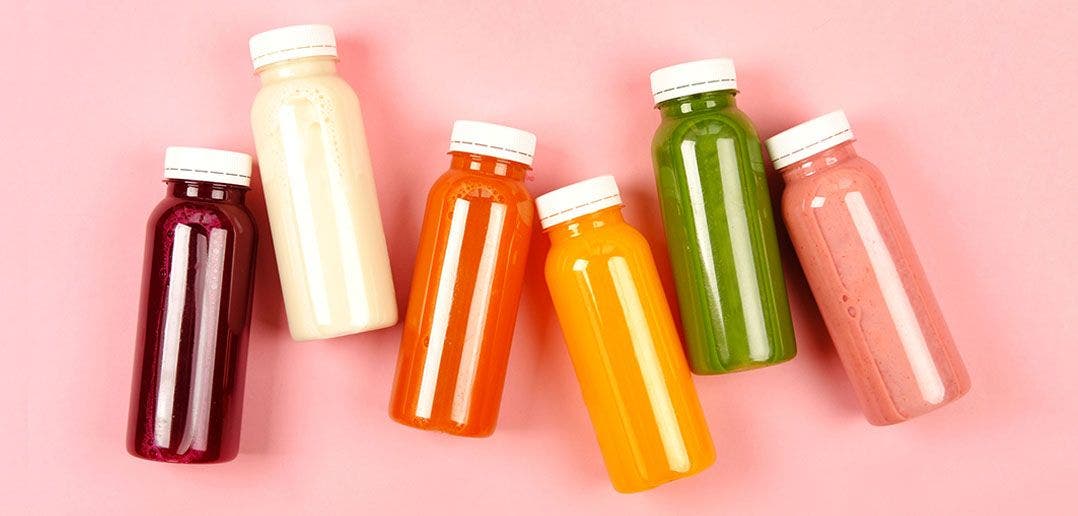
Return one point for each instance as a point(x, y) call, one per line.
point(320, 194)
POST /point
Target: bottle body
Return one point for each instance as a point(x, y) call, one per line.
point(721, 236)
point(871, 289)
point(625, 349)
point(187, 392)
point(462, 309)
point(321, 200)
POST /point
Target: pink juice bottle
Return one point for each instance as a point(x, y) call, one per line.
point(864, 274)
point(191, 354)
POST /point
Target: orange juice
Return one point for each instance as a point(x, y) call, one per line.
point(622, 340)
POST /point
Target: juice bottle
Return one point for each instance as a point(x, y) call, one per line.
point(320, 196)
point(187, 391)
point(468, 275)
point(622, 340)
point(864, 274)
point(719, 227)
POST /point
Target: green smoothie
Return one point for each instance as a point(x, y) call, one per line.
point(719, 225)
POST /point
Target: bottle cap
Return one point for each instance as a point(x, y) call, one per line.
point(293, 42)
point(209, 165)
point(570, 202)
point(496, 141)
point(801, 141)
point(692, 78)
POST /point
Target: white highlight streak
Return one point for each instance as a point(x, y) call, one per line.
point(442, 303)
point(170, 343)
point(211, 272)
point(699, 222)
point(358, 302)
point(477, 314)
point(898, 303)
point(741, 244)
point(677, 456)
point(304, 213)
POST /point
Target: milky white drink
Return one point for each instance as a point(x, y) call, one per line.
point(320, 195)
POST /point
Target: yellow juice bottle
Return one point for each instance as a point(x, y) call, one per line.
point(622, 340)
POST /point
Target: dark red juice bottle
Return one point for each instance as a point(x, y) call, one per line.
point(187, 392)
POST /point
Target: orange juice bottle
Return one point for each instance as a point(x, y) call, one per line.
point(621, 338)
point(466, 285)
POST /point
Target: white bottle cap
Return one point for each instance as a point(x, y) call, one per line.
point(570, 202)
point(293, 42)
point(496, 141)
point(801, 141)
point(692, 78)
point(209, 165)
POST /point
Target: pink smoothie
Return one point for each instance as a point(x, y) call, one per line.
point(865, 275)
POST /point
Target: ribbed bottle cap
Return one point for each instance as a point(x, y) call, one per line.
point(812, 137)
point(496, 141)
point(692, 78)
point(572, 201)
point(293, 42)
point(209, 165)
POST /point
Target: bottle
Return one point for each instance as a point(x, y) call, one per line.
point(320, 195)
point(187, 391)
point(719, 228)
point(864, 274)
point(622, 339)
point(468, 275)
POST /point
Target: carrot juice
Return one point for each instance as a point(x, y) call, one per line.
point(466, 286)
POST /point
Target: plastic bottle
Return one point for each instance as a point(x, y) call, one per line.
point(719, 227)
point(468, 274)
point(187, 392)
point(320, 194)
point(864, 274)
point(622, 339)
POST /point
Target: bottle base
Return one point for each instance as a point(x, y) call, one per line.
point(894, 418)
point(715, 369)
point(647, 486)
point(163, 456)
point(445, 427)
point(331, 333)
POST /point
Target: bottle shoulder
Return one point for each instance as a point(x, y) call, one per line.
point(728, 122)
point(852, 175)
point(596, 248)
point(462, 184)
point(330, 88)
point(172, 212)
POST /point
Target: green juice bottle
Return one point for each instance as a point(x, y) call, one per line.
point(720, 230)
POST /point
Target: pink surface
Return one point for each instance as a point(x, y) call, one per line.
point(968, 108)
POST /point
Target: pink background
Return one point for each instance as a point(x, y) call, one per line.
point(968, 107)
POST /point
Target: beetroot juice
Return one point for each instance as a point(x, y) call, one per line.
point(187, 392)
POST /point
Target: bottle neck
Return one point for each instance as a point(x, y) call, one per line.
point(695, 104)
point(585, 224)
point(293, 68)
point(202, 191)
point(819, 162)
point(488, 165)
